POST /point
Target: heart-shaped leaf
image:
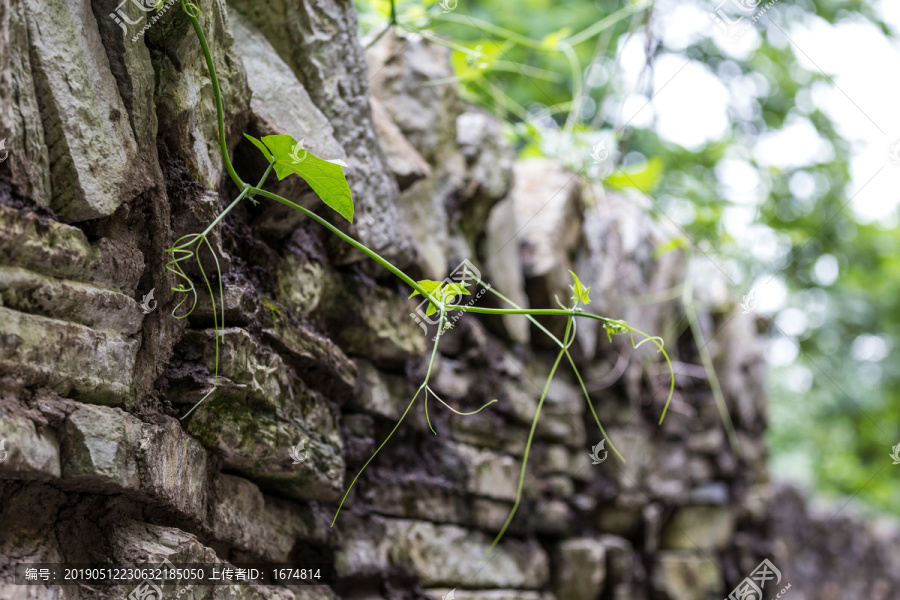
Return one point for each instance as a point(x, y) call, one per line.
point(326, 178)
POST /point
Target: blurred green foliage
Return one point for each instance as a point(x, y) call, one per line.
point(835, 406)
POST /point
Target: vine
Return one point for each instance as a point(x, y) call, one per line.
point(287, 157)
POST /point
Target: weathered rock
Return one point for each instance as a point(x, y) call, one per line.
point(741, 369)
point(69, 358)
point(668, 481)
point(52, 248)
point(279, 99)
point(640, 455)
point(426, 114)
point(107, 450)
point(24, 150)
point(487, 429)
point(301, 283)
point(709, 493)
point(419, 498)
point(93, 155)
point(491, 515)
point(439, 554)
point(184, 93)
point(686, 576)
point(260, 411)
point(281, 105)
point(197, 214)
point(699, 526)
point(504, 266)
point(580, 569)
point(172, 467)
point(561, 413)
point(137, 543)
point(240, 299)
point(29, 292)
point(265, 526)
point(619, 520)
point(624, 265)
point(374, 323)
point(622, 570)
point(316, 356)
point(560, 485)
point(491, 474)
point(121, 26)
point(401, 157)
point(561, 416)
point(441, 593)
point(560, 459)
point(554, 517)
point(548, 206)
point(29, 450)
point(489, 162)
point(380, 392)
point(317, 39)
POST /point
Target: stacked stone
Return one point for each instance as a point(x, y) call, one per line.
point(114, 155)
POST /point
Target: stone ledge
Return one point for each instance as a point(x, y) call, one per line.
point(31, 450)
point(258, 412)
point(60, 250)
point(95, 366)
point(242, 516)
point(106, 450)
point(97, 308)
point(437, 554)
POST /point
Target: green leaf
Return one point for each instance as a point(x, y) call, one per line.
point(452, 290)
point(645, 177)
point(458, 288)
point(326, 178)
point(261, 146)
point(670, 246)
point(580, 293)
point(428, 285)
point(446, 294)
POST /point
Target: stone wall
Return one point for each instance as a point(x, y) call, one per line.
point(113, 156)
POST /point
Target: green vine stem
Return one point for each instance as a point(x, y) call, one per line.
point(183, 251)
point(534, 422)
